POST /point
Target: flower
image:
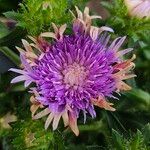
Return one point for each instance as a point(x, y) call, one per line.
point(138, 8)
point(72, 73)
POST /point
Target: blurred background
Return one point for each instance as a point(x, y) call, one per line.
point(126, 128)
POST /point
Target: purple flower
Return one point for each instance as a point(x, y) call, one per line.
point(73, 72)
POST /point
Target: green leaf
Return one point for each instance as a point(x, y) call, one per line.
point(114, 121)
point(118, 142)
point(37, 16)
point(11, 55)
point(147, 53)
point(17, 88)
point(58, 141)
point(141, 96)
point(5, 63)
point(106, 5)
point(12, 15)
point(29, 134)
point(136, 141)
point(146, 134)
point(3, 30)
point(12, 37)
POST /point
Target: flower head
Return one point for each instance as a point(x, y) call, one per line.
point(73, 73)
point(138, 8)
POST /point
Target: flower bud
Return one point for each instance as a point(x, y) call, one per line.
point(138, 8)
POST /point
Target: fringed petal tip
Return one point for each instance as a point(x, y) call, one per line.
point(104, 28)
point(83, 23)
point(68, 118)
point(123, 73)
point(103, 103)
point(41, 114)
point(123, 52)
point(55, 118)
point(122, 86)
point(58, 32)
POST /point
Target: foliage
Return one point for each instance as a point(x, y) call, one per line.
point(33, 137)
point(6, 5)
point(134, 142)
point(122, 23)
point(40, 14)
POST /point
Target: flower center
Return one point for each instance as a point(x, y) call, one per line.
point(74, 75)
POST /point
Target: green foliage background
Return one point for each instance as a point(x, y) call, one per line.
point(126, 129)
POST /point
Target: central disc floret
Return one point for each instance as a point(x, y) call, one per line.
point(74, 75)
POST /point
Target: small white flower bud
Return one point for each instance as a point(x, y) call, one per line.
point(138, 8)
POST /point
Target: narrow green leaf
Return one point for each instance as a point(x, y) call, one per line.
point(135, 143)
point(146, 134)
point(17, 88)
point(3, 30)
point(12, 37)
point(117, 140)
point(11, 55)
point(12, 15)
point(141, 96)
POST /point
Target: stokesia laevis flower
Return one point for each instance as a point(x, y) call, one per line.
point(138, 8)
point(73, 72)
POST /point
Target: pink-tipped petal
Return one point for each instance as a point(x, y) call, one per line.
point(79, 13)
point(27, 83)
point(49, 120)
point(33, 109)
point(48, 34)
point(62, 29)
point(27, 45)
point(102, 103)
point(119, 43)
point(19, 79)
point(86, 11)
point(122, 86)
point(94, 32)
point(20, 50)
point(123, 52)
point(17, 71)
point(104, 28)
point(56, 121)
point(56, 30)
point(32, 38)
point(65, 118)
point(96, 17)
point(41, 114)
point(73, 124)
